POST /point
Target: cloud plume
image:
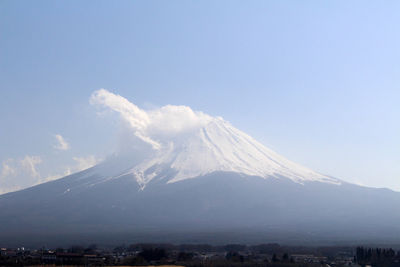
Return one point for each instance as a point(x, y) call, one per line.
point(151, 126)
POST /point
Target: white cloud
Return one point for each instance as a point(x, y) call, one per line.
point(19, 173)
point(83, 163)
point(61, 143)
point(29, 165)
point(155, 125)
point(8, 169)
point(56, 176)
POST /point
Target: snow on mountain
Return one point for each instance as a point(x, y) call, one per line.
point(218, 146)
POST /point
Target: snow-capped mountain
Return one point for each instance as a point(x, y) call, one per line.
point(218, 146)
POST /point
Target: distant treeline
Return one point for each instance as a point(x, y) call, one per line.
point(271, 248)
point(377, 256)
point(268, 255)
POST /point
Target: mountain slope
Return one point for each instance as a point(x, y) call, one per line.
point(219, 207)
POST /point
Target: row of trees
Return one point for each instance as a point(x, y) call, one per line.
point(377, 256)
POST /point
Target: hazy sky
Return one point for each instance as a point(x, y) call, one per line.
point(316, 81)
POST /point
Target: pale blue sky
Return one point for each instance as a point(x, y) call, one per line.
point(317, 81)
